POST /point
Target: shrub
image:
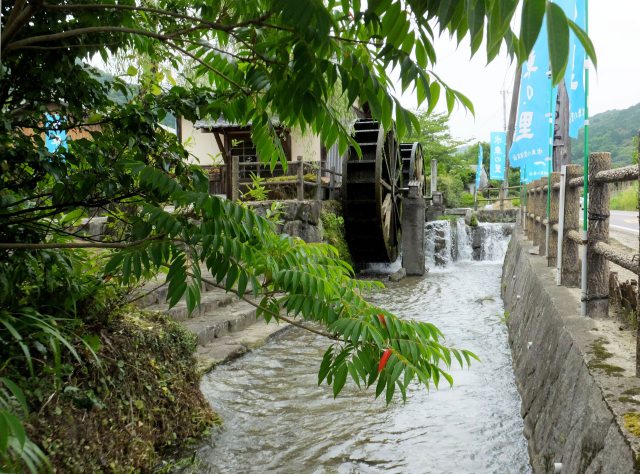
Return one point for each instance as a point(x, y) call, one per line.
point(466, 200)
point(625, 200)
point(452, 189)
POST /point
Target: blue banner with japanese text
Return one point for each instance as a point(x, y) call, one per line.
point(576, 10)
point(497, 157)
point(532, 133)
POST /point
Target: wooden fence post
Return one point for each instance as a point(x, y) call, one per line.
point(553, 219)
point(300, 179)
point(529, 211)
point(542, 213)
point(319, 182)
point(235, 178)
point(598, 265)
point(332, 183)
point(536, 211)
point(570, 249)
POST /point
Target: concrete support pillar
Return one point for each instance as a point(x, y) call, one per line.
point(552, 255)
point(570, 249)
point(598, 265)
point(413, 217)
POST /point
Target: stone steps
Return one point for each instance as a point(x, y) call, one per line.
point(225, 326)
point(235, 344)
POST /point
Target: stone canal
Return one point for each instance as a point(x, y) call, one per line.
point(277, 419)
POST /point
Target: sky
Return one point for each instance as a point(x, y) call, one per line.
point(614, 85)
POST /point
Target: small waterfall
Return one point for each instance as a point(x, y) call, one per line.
point(445, 243)
point(495, 240)
point(437, 243)
point(464, 249)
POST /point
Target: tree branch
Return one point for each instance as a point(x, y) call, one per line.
point(75, 245)
point(158, 11)
point(17, 19)
point(83, 31)
point(212, 69)
point(272, 313)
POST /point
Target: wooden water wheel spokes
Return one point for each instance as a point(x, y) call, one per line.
point(371, 194)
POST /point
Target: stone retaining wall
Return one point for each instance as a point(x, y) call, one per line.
point(579, 392)
point(299, 218)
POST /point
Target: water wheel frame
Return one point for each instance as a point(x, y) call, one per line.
point(412, 157)
point(371, 193)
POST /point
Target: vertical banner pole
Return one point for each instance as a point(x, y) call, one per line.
point(585, 189)
point(549, 168)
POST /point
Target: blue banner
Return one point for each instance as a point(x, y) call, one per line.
point(497, 156)
point(54, 137)
point(479, 169)
point(536, 101)
point(576, 10)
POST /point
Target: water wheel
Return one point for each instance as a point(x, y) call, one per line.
point(412, 164)
point(371, 188)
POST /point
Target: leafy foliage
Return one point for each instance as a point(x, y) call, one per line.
point(244, 62)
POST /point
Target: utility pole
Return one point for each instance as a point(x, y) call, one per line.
point(504, 93)
point(513, 111)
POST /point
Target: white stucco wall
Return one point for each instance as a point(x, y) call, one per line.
point(307, 145)
point(202, 147)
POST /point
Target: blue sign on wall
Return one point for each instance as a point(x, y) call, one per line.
point(497, 157)
point(55, 137)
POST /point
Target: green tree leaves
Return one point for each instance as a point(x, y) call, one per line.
point(291, 62)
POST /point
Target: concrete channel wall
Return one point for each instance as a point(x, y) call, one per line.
point(578, 409)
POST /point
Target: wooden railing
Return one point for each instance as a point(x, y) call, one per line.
point(503, 195)
point(598, 249)
point(326, 181)
point(560, 238)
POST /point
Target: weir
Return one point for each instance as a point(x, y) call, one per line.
point(446, 242)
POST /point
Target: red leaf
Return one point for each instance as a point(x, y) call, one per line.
point(384, 359)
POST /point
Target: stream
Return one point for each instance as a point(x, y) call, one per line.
point(277, 419)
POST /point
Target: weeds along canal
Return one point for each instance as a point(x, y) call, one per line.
point(277, 419)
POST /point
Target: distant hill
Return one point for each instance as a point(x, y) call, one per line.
point(613, 131)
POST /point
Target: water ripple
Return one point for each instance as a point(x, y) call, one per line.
point(278, 420)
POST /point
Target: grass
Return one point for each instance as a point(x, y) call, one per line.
point(625, 200)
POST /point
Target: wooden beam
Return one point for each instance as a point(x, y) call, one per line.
point(220, 145)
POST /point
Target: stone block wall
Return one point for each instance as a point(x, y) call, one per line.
point(298, 218)
point(579, 401)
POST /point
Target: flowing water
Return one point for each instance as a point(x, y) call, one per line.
point(277, 419)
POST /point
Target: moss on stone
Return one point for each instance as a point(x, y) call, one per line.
point(608, 369)
point(599, 351)
point(626, 399)
point(632, 422)
point(333, 232)
point(632, 391)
